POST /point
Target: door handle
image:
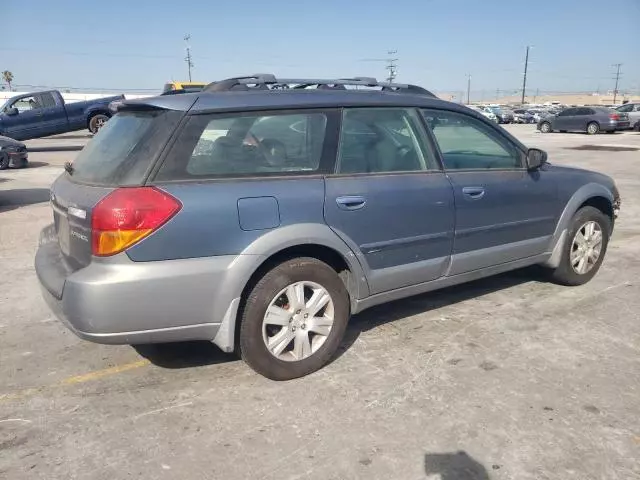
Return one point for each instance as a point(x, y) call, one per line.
point(474, 193)
point(351, 202)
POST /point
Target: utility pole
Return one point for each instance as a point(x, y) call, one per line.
point(188, 59)
point(615, 90)
point(536, 95)
point(392, 67)
point(524, 80)
point(468, 87)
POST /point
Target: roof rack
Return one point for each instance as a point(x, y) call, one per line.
point(268, 81)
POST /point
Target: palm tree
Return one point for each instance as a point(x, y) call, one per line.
point(7, 76)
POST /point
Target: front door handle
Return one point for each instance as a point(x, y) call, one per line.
point(474, 193)
point(351, 202)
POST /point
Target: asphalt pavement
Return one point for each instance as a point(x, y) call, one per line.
point(509, 377)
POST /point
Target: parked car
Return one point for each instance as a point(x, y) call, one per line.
point(633, 111)
point(503, 115)
point(183, 87)
point(585, 119)
point(161, 232)
point(41, 114)
point(13, 154)
point(485, 111)
point(523, 116)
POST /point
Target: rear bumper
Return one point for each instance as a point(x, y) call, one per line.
point(118, 301)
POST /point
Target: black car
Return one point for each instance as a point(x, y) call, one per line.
point(12, 153)
point(585, 119)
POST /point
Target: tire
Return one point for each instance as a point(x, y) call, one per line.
point(565, 273)
point(270, 292)
point(545, 127)
point(97, 121)
point(593, 128)
point(4, 161)
point(637, 127)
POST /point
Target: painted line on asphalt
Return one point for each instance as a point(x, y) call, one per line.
point(75, 380)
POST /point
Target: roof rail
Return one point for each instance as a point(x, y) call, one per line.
point(268, 81)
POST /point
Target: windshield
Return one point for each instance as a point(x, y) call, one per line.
point(124, 148)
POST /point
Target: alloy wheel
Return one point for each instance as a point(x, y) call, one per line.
point(298, 321)
point(586, 247)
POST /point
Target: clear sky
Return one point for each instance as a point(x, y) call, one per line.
point(138, 44)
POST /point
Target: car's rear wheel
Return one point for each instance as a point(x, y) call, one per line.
point(97, 121)
point(293, 319)
point(637, 127)
point(585, 248)
point(593, 128)
point(545, 127)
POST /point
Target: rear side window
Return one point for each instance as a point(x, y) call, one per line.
point(214, 146)
point(47, 100)
point(123, 150)
point(381, 140)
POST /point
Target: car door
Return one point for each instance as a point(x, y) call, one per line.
point(389, 200)
point(583, 116)
point(503, 212)
point(28, 122)
point(565, 120)
point(54, 118)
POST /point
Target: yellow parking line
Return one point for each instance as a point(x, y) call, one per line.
point(104, 373)
point(87, 377)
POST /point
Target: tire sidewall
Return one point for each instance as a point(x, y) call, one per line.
point(252, 347)
point(4, 161)
point(566, 272)
point(92, 127)
point(545, 127)
point(596, 130)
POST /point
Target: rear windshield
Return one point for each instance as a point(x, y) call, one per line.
point(123, 150)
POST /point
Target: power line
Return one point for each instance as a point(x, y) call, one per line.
point(187, 59)
point(615, 90)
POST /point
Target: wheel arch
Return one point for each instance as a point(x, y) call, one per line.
point(93, 113)
point(591, 194)
point(307, 240)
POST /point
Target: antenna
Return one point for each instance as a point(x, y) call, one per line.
point(188, 58)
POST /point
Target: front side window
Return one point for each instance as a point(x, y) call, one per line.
point(468, 143)
point(379, 140)
point(26, 104)
point(247, 145)
point(568, 112)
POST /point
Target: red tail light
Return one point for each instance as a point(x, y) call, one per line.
point(127, 215)
point(614, 116)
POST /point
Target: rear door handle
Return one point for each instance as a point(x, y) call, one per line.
point(351, 202)
point(474, 193)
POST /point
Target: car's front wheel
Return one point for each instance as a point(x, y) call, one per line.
point(585, 247)
point(294, 319)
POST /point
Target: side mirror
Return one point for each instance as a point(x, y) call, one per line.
point(11, 111)
point(536, 158)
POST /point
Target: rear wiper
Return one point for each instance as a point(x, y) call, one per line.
point(68, 167)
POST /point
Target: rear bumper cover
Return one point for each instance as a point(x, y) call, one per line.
point(118, 301)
